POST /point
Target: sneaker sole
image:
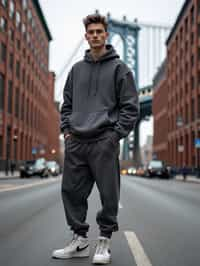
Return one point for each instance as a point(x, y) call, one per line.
point(101, 262)
point(80, 254)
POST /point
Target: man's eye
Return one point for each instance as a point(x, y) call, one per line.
point(93, 31)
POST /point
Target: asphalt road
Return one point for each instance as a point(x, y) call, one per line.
point(159, 223)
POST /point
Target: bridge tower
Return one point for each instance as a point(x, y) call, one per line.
point(128, 32)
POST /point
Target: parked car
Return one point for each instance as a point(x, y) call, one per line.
point(140, 171)
point(157, 168)
point(27, 168)
point(40, 167)
point(53, 168)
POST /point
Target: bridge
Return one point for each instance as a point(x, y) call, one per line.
point(142, 49)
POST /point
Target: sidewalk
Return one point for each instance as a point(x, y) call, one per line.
point(189, 178)
point(3, 175)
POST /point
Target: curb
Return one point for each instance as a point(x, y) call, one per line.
point(191, 179)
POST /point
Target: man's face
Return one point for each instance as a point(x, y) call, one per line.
point(96, 35)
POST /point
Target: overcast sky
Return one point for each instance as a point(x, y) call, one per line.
point(65, 23)
point(65, 20)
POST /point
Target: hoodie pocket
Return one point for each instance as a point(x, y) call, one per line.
point(89, 123)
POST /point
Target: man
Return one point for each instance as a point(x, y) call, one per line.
point(100, 107)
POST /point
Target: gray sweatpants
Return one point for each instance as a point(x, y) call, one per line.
point(87, 162)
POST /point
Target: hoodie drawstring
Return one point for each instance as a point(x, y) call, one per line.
point(94, 78)
point(97, 78)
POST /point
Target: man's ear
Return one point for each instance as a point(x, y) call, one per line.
point(86, 37)
point(107, 34)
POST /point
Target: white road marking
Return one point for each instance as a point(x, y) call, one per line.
point(120, 205)
point(137, 250)
point(29, 185)
point(3, 186)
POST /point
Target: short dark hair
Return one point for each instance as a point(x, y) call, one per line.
point(95, 18)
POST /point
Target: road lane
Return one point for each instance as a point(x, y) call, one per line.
point(167, 227)
point(32, 224)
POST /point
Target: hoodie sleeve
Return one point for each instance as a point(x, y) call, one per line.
point(66, 108)
point(128, 103)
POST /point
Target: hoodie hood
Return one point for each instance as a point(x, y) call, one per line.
point(109, 55)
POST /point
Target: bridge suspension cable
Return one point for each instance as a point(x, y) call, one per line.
point(69, 60)
point(59, 88)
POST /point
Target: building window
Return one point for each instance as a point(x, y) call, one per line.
point(192, 60)
point(18, 44)
point(11, 34)
point(192, 37)
point(11, 9)
point(18, 69)
point(181, 34)
point(3, 24)
point(1, 147)
point(28, 80)
point(4, 3)
point(186, 114)
point(198, 30)
point(2, 89)
point(199, 106)
point(33, 23)
point(29, 15)
point(22, 107)
point(186, 24)
point(18, 20)
point(28, 38)
point(23, 76)
point(192, 110)
point(24, 53)
point(11, 61)
point(192, 15)
point(2, 52)
point(24, 4)
point(27, 111)
point(8, 142)
point(192, 83)
point(17, 103)
point(186, 46)
point(10, 92)
point(186, 87)
point(24, 30)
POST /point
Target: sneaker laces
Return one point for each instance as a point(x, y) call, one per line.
point(72, 241)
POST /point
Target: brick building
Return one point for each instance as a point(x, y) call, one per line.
point(53, 124)
point(26, 85)
point(182, 85)
point(159, 110)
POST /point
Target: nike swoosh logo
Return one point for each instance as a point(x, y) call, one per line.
point(80, 249)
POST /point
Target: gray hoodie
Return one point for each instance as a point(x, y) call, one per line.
point(99, 96)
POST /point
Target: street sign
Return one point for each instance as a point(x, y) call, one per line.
point(34, 150)
point(180, 148)
point(197, 143)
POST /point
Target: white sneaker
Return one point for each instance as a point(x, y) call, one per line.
point(102, 254)
point(77, 248)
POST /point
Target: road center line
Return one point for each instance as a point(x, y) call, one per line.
point(137, 250)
